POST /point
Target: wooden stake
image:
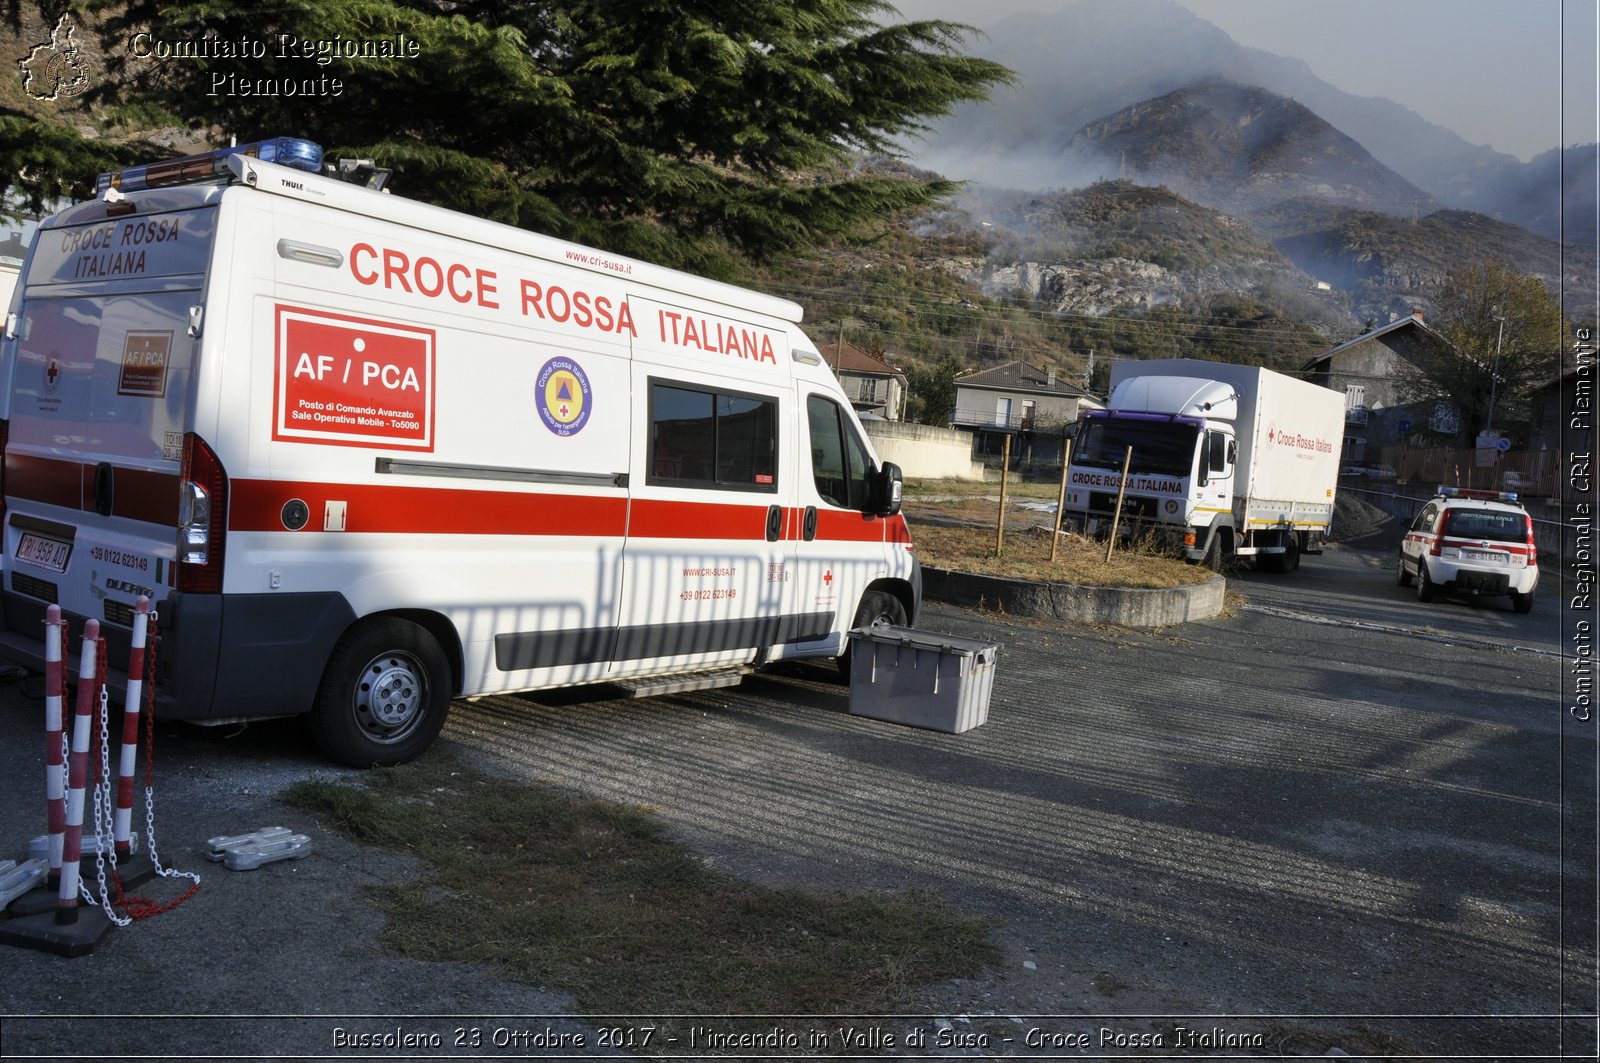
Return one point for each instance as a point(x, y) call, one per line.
point(1116, 514)
point(1061, 498)
point(1000, 524)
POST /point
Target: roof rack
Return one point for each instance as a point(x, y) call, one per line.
point(285, 151)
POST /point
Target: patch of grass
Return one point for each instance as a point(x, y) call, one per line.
point(953, 527)
point(594, 899)
point(1026, 555)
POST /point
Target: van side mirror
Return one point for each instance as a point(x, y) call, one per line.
point(883, 500)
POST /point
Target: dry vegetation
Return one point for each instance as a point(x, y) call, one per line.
point(953, 524)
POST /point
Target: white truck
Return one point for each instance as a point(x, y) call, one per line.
point(1227, 460)
point(367, 455)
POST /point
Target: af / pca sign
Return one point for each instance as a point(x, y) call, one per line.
point(352, 381)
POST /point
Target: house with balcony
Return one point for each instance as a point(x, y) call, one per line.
point(875, 388)
point(1370, 371)
point(1029, 403)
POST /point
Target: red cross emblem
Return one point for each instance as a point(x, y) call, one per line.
point(827, 577)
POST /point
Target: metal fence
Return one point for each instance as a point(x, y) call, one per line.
point(1531, 473)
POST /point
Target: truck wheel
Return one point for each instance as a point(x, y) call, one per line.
point(1291, 553)
point(1402, 578)
point(877, 607)
point(383, 696)
point(1213, 558)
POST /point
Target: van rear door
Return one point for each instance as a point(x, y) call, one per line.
point(100, 377)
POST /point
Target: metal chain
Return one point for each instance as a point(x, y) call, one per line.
point(105, 800)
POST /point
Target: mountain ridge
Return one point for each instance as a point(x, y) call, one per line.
point(1092, 59)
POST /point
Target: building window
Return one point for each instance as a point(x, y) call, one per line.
point(869, 389)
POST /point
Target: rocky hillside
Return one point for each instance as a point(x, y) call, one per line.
point(1117, 245)
point(1391, 265)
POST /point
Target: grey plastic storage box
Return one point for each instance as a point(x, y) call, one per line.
point(920, 678)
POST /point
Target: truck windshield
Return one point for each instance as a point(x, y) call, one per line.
point(1159, 447)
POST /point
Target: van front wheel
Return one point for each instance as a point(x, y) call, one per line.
point(877, 607)
point(384, 695)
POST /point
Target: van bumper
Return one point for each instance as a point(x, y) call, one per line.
point(269, 663)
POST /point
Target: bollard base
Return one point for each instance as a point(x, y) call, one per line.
point(42, 932)
point(35, 902)
point(133, 870)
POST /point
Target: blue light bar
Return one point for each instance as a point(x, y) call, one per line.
point(1480, 495)
point(285, 151)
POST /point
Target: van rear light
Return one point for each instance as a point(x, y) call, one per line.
point(202, 518)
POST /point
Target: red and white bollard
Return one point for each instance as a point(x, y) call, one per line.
point(129, 870)
point(69, 929)
point(122, 828)
point(77, 774)
point(55, 765)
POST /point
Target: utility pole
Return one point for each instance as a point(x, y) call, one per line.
point(1494, 374)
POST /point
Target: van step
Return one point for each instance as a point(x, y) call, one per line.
point(678, 684)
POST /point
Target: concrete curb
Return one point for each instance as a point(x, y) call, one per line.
point(1128, 607)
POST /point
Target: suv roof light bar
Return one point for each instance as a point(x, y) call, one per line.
point(1478, 493)
point(285, 151)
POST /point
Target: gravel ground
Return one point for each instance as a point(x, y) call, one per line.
point(1267, 826)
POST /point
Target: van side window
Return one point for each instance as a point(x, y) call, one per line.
point(838, 458)
point(717, 439)
point(1216, 452)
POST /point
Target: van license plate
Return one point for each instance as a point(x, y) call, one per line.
point(46, 553)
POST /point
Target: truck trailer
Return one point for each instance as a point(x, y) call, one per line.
point(1226, 460)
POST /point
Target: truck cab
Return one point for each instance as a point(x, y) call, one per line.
point(1180, 464)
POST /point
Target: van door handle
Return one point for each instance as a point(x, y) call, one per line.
point(105, 479)
point(774, 523)
point(809, 527)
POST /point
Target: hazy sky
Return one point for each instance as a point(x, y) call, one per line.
point(1491, 70)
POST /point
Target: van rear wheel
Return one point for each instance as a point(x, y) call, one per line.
point(384, 695)
point(877, 607)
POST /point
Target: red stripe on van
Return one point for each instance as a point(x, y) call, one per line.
point(257, 505)
point(659, 519)
point(141, 494)
point(48, 480)
point(844, 526)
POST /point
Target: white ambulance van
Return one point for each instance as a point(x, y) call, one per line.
point(368, 455)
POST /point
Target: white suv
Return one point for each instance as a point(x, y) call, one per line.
point(1471, 542)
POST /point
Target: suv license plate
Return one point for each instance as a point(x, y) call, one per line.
point(1486, 555)
point(46, 553)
